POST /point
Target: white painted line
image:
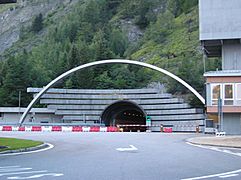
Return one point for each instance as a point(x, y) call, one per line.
point(37, 176)
point(132, 148)
point(228, 176)
point(215, 149)
point(13, 169)
point(28, 172)
point(50, 146)
point(213, 175)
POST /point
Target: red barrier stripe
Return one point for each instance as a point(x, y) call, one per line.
point(7, 128)
point(77, 129)
point(94, 129)
point(21, 129)
point(56, 128)
point(36, 128)
point(112, 129)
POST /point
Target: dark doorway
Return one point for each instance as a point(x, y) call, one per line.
point(125, 114)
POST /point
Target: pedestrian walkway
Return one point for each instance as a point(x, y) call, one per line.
point(225, 141)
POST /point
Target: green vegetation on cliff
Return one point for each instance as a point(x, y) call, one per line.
point(96, 30)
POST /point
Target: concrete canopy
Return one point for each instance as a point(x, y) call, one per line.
point(110, 61)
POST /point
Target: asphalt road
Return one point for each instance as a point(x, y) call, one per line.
point(118, 156)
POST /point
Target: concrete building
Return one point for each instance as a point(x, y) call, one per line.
point(220, 35)
point(110, 108)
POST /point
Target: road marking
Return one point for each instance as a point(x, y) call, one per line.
point(221, 175)
point(230, 175)
point(28, 172)
point(50, 146)
point(132, 148)
point(37, 176)
point(13, 169)
point(18, 171)
point(215, 149)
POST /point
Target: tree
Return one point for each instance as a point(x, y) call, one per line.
point(118, 42)
point(17, 78)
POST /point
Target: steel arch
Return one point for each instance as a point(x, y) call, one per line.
point(109, 61)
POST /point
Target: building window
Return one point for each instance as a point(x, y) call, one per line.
point(228, 94)
point(238, 94)
point(215, 93)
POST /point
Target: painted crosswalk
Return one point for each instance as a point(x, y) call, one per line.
point(18, 172)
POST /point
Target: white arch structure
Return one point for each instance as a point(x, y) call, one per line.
point(110, 61)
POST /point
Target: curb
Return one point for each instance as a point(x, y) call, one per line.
point(213, 145)
point(41, 146)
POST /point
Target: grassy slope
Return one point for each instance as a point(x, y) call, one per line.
point(14, 144)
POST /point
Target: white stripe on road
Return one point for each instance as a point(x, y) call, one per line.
point(13, 169)
point(215, 149)
point(50, 146)
point(28, 172)
point(37, 176)
point(230, 175)
point(214, 175)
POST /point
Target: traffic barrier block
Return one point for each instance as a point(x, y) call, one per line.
point(95, 129)
point(22, 128)
point(56, 128)
point(14, 128)
point(77, 129)
point(168, 130)
point(103, 129)
point(66, 129)
point(7, 128)
point(36, 128)
point(86, 129)
point(28, 128)
point(46, 128)
point(112, 129)
point(220, 134)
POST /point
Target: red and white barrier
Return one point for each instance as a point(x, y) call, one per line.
point(7, 128)
point(36, 128)
point(103, 129)
point(64, 129)
point(57, 128)
point(28, 128)
point(77, 129)
point(168, 130)
point(46, 128)
point(22, 128)
point(86, 129)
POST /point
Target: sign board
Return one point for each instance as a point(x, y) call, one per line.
point(148, 120)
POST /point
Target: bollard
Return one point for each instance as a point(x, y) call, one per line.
point(197, 129)
point(161, 128)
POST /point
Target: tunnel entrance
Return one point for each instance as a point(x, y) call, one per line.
point(127, 115)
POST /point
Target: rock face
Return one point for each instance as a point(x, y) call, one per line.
point(14, 18)
point(134, 33)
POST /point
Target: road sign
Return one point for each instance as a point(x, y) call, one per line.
point(148, 120)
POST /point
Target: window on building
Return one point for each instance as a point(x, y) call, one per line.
point(215, 93)
point(228, 94)
point(238, 94)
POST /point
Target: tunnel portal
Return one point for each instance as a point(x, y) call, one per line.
point(125, 114)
